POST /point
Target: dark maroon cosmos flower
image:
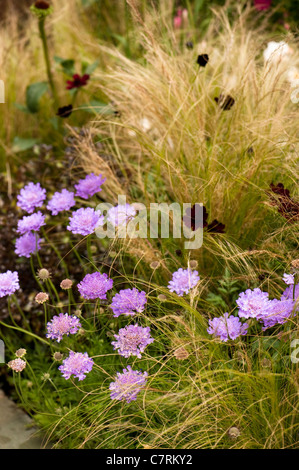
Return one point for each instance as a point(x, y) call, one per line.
point(286, 206)
point(216, 227)
point(189, 45)
point(42, 5)
point(192, 218)
point(225, 102)
point(202, 60)
point(77, 81)
point(65, 111)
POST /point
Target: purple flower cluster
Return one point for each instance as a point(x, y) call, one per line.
point(278, 312)
point(132, 340)
point(31, 196)
point(128, 302)
point(85, 221)
point(31, 223)
point(9, 283)
point(227, 327)
point(183, 280)
point(291, 292)
point(252, 303)
point(76, 364)
point(27, 245)
point(288, 279)
point(127, 384)
point(62, 201)
point(89, 186)
point(95, 286)
point(62, 324)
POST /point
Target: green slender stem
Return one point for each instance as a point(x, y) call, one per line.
point(41, 26)
point(26, 332)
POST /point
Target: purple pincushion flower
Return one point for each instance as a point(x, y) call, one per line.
point(288, 279)
point(31, 223)
point(85, 221)
point(31, 196)
point(89, 186)
point(227, 327)
point(291, 292)
point(278, 312)
point(62, 324)
point(132, 340)
point(9, 283)
point(183, 280)
point(128, 302)
point(127, 384)
point(62, 201)
point(95, 286)
point(252, 303)
point(27, 244)
point(76, 364)
point(120, 215)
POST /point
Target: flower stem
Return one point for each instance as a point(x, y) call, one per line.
point(41, 26)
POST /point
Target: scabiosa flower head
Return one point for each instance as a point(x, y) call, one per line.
point(76, 364)
point(278, 312)
point(77, 81)
point(9, 283)
point(89, 186)
point(183, 280)
point(120, 215)
point(128, 302)
point(27, 244)
point(62, 201)
point(252, 303)
point(181, 353)
point(288, 279)
point(31, 196)
point(132, 340)
point(21, 352)
point(17, 365)
point(85, 221)
point(43, 274)
point(41, 297)
point(57, 356)
point(127, 384)
point(227, 327)
point(95, 286)
point(66, 284)
point(31, 223)
point(62, 324)
point(291, 293)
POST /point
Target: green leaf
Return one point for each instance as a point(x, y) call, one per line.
point(22, 108)
point(21, 144)
point(67, 65)
point(89, 69)
point(34, 93)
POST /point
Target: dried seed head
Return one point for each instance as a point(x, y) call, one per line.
point(81, 331)
point(155, 264)
point(43, 274)
point(162, 297)
point(66, 284)
point(78, 313)
point(266, 363)
point(295, 264)
point(57, 356)
point(193, 264)
point(41, 297)
point(234, 432)
point(20, 352)
point(181, 354)
point(45, 376)
point(29, 384)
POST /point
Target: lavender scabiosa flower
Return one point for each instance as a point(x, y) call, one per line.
point(85, 221)
point(31, 196)
point(183, 280)
point(89, 186)
point(76, 364)
point(288, 279)
point(95, 286)
point(9, 283)
point(132, 340)
point(31, 223)
point(62, 324)
point(17, 364)
point(127, 384)
point(227, 327)
point(120, 215)
point(291, 292)
point(278, 312)
point(62, 201)
point(27, 244)
point(128, 302)
point(252, 303)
